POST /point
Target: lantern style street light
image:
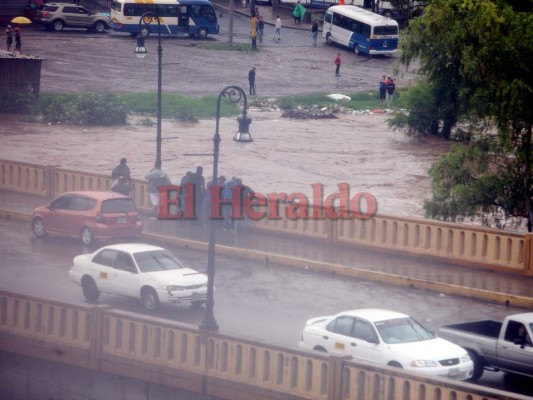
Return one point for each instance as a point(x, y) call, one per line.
point(234, 94)
point(140, 51)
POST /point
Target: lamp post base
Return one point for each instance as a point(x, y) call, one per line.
point(208, 324)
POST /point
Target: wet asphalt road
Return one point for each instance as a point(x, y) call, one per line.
point(251, 300)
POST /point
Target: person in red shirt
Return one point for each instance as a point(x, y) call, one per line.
point(338, 65)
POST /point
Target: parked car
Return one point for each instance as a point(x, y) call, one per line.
point(140, 271)
point(56, 16)
point(496, 345)
point(89, 216)
point(384, 337)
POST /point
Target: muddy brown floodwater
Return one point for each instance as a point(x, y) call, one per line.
point(286, 155)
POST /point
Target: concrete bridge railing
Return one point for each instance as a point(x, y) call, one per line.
point(460, 244)
point(178, 355)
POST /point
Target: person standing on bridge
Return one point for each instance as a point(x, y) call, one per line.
point(156, 177)
point(121, 170)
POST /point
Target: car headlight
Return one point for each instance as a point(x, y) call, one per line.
point(172, 288)
point(424, 363)
point(466, 358)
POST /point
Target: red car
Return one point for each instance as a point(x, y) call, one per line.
point(89, 216)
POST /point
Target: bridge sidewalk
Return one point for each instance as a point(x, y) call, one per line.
point(424, 273)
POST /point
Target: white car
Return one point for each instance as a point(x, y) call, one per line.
point(142, 271)
point(390, 338)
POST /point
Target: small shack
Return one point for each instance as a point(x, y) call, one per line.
point(20, 72)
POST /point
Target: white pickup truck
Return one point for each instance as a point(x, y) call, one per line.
point(495, 345)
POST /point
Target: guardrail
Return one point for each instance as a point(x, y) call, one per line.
point(459, 244)
point(223, 366)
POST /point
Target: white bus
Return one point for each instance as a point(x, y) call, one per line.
point(193, 17)
point(361, 30)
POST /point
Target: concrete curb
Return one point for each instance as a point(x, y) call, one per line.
point(327, 268)
point(356, 273)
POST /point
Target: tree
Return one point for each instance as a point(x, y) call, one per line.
point(477, 56)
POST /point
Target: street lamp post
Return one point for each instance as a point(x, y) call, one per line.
point(234, 94)
point(140, 51)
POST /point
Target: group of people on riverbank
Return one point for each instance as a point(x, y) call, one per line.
point(386, 90)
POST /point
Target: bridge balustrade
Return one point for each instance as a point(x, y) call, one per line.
point(466, 245)
point(223, 366)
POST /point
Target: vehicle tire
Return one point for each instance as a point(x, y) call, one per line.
point(86, 236)
point(328, 39)
point(479, 365)
point(201, 34)
point(150, 299)
point(198, 303)
point(395, 364)
point(90, 291)
point(99, 26)
point(320, 348)
point(58, 25)
point(38, 228)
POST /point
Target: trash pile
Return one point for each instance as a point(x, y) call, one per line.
point(263, 105)
point(315, 112)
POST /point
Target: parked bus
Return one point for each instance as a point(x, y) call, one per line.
point(361, 30)
point(196, 18)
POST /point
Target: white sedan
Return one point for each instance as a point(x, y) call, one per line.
point(141, 271)
point(386, 337)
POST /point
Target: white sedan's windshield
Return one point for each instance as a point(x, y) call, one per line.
point(402, 330)
point(158, 260)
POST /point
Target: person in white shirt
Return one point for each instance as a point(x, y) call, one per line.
point(277, 31)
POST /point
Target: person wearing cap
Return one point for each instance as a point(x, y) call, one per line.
point(121, 170)
point(9, 37)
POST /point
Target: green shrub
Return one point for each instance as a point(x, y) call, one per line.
point(179, 107)
point(84, 109)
